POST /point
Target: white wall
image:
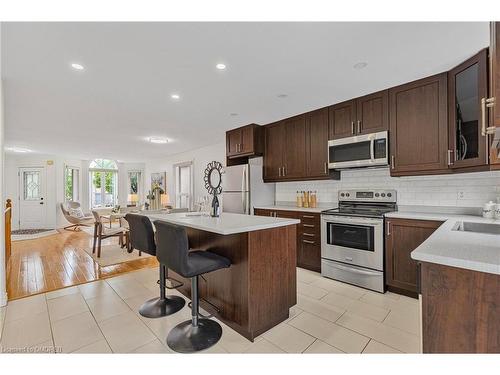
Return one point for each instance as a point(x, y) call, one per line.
point(3, 283)
point(477, 188)
point(200, 158)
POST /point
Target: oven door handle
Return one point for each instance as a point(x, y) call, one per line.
point(355, 221)
point(355, 270)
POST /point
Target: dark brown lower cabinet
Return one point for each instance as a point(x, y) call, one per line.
point(460, 310)
point(308, 236)
point(401, 238)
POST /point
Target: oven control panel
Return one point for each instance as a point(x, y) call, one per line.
point(373, 195)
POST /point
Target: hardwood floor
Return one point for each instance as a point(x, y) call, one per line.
point(59, 261)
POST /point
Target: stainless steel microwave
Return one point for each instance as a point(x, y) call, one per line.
point(368, 150)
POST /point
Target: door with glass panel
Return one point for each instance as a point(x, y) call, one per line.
point(32, 200)
point(183, 185)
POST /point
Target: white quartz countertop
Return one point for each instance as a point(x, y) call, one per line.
point(468, 250)
point(227, 223)
point(435, 216)
point(293, 208)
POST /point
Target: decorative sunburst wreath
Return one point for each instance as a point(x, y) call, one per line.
point(211, 167)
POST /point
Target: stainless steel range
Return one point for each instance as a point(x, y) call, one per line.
point(352, 237)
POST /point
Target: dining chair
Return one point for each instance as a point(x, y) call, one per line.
point(102, 232)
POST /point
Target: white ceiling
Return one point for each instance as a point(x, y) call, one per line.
point(131, 69)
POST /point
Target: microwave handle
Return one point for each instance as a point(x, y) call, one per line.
point(372, 149)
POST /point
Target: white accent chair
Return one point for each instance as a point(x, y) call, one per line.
point(76, 222)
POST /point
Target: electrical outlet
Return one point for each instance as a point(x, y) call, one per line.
point(461, 195)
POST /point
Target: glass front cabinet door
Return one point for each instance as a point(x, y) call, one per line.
point(467, 85)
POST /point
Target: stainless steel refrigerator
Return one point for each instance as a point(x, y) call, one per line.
point(243, 188)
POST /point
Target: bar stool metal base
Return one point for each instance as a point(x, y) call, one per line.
point(186, 338)
point(158, 307)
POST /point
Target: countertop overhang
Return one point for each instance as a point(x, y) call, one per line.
point(225, 224)
point(468, 250)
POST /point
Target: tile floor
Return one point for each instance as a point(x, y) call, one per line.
point(102, 317)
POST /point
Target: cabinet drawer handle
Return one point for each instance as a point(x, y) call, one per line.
point(308, 234)
point(392, 161)
point(388, 228)
point(308, 225)
point(352, 128)
point(308, 216)
point(359, 126)
point(309, 242)
point(279, 171)
point(326, 168)
point(284, 171)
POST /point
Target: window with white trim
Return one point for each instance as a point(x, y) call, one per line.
point(71, 184)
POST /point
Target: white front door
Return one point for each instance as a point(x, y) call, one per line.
point(32, 205)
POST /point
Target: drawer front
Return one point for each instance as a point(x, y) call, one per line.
point(263, 212)
point(310, 237)
point(309, 218)
point(286, 214)
point(310, 228)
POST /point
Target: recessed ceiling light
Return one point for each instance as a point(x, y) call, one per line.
point(282, 96)
point(175, 96)
point(233, 114)
point(158, 140)
point(77, 66)
point(220, 66)
point(18, 149)
point(360, 65)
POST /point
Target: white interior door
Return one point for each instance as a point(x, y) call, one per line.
point(32, 205)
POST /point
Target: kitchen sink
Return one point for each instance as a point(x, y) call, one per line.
point(466, 226)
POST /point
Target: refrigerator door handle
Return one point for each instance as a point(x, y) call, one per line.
point(244, 203)
point(244, 189)
point(244, 180)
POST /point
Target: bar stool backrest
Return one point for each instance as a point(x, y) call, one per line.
point(141, 233)
point(173, 246)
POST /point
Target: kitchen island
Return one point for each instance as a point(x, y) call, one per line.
point(257, 291)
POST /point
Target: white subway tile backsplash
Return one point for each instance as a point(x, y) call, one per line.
point(477, 188)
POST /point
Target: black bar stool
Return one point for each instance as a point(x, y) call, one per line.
point(142, 238)
point(199, 333)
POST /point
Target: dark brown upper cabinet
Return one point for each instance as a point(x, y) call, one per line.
point(317, 143)
point(419, 127)
point(494, 87)
point(273, 151)
point(296, 148)
point(294, 158)
point(244, 142)
point(368, 114)
point(342, 120)
point(372, 113)
point(467, 86)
